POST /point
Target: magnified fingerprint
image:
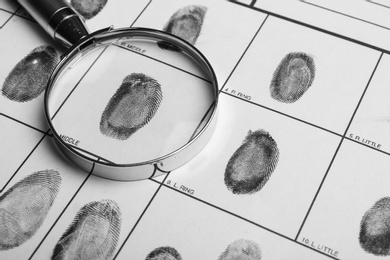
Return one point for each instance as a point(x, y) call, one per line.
point(93, 234)
point(293, 77)
point(164, 253)
point(241, 250)
point(24, 207)
point(185, 23)
point(88, 8)
point(133, 105)
point(252, 164)
point(374, 234)
point(28, 79)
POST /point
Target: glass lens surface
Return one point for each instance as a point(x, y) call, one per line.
point(130, 101)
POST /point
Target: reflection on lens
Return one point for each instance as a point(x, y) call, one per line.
point(133, 105)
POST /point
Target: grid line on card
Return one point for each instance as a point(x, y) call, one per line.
point(156, 169)
point(361, 98)
point(62, 212)
point(15, 13)
point(367, 146)
point(24, 161)
point(283, 114)
point(243, 54)
point(203, 120)
point(162, 62)
point(70, 93)
point(142, 214)
point(143, 10)
point(338, 148)
point(9, 18)
point(27, 17)
point(253, 3)
point(25, 124)
point(89, 153)
point(247, 220)
point(319, 189)
point(373, 47)
point(376, 3)
point(344, 14)
point(7, 11)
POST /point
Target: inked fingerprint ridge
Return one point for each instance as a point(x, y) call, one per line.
point(293, 77)
point(374, 235)
point(190, 20)
point(24, 207)
point(164, 253)
point(93, 233)
point(252, 164)
point(132, 106)
point(30, 76)
point(241, 249)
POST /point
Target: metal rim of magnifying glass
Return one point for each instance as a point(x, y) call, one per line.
point(146, 169)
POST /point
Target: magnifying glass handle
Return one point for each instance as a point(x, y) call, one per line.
point(58, 19)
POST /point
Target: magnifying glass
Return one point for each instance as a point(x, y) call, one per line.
point(129, 103)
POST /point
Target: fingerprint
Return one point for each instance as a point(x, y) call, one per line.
point(185, 23)
point(293, 77)
point(133, 105)
point(93, 234)
point(241, 250)
point(164, 253)
point(28, 79)
point(252, 164)
point(88, 8)
point(374, 236)
point(24, 207)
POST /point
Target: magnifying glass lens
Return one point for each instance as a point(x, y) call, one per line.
point(129, 100)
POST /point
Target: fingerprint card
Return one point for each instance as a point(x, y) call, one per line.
point(34, 199)
point(297, 167)
point(23, 78)
point(362, 10)
point(371, 124)
point(102, 14)
point(204, 24)
point(307, 77)
point(265, 169)
point(210, 233)
point(98, 220)
point(351, 211)
point(14, 153)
